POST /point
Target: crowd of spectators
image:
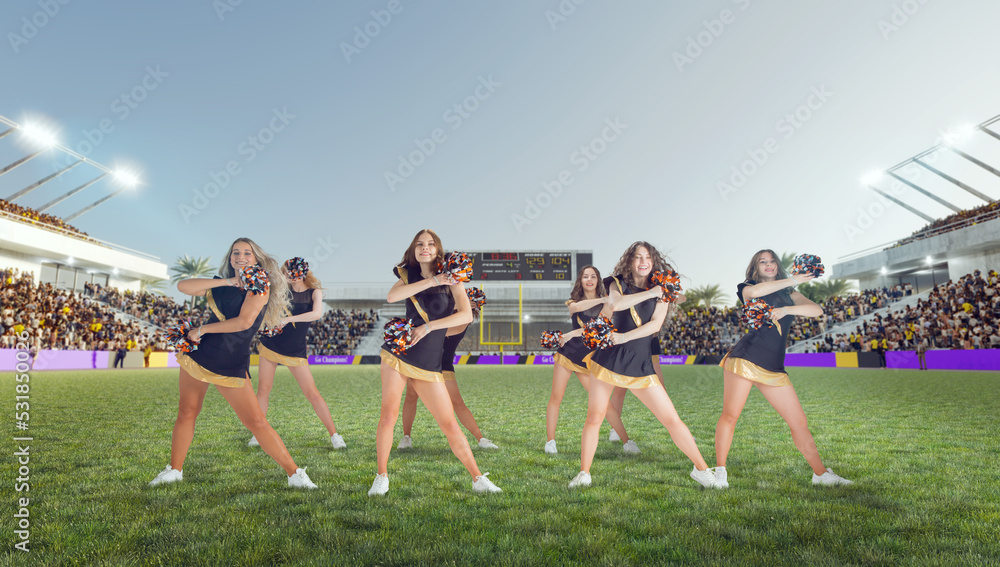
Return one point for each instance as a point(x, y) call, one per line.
point(956, 221)
point(42, 220)
point(339, 331)
point(60, 319)
point(702, 331)
point(956, 315)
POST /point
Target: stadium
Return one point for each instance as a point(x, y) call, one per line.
point(96, 252)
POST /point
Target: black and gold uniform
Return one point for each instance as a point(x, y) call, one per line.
point(571, 354)
point(223, 359)
point(422, 361)
point(630, 364)
point(448, 355)
point(760, 355)
point(289, 347)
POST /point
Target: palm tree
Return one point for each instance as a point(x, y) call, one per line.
point(188, 267)
point(709, 294)
point(153, 286)
point(832, 288)
point(787, 259)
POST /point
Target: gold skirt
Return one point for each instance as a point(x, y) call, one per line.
point(449, 375)
point(568, 364)
point(280, 358)
point(198, 372)
point(754, 373)
point(619, 380)
point(410, 371)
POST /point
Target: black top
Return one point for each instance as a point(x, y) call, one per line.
point(292, 340)
point(450, 346)
point(227, 354)
point(574, 349)
point(437, 303)
point(765, 347)
point(633, 358)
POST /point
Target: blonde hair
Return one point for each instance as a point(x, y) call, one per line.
point(310, 279)
point(278, 304)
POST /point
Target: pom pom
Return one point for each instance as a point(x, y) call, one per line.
point(398, 334)
point(669, 281)
point(808, 264)
point(477, 297)
point(457, 265)
point(757, 313)
point(550, 339)
point(177, 337)
point(297, 268)
point(254, 279)
point(597, 333)
point(266, 331)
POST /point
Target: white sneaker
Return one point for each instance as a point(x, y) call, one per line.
point(380, 486)
point(483, 484)
point(631, 447)
point(613, 436)
point(485, 443)
point(550, 447)
point(830, 478)
point(300, 480)
point(582, 479)
point(705, 478)
point(167, 476)
point(253, 442)
point(338, 441)
point(404, 443)
point(721, 477)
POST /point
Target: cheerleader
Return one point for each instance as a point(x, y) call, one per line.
point(222, 357)
point(638, 313)
point(587, 298)
point(758, 359)
point(451, 340)
point(289, 346)
point(433, 303)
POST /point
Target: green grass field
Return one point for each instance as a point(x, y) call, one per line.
point(922, 449)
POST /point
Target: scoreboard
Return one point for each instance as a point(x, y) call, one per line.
point(525, 266)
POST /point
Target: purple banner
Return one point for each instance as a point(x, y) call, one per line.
point(495, 359)
point(815, 359)
point(544, 359)
point(331, 359)
point(986, 359)
point(673, 359)
point(58, 360)
point(902, 359)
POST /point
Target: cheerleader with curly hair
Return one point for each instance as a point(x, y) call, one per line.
point(638, 313)
point(222, 357)
point(289, 346)
point(434, 303)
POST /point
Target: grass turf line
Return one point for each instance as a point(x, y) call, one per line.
point(921, 447)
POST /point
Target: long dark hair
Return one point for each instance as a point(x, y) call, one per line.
point(753, 274)
point(624, 266)
point(410, 259)
point(578, 294)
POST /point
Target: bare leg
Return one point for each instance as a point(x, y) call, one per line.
point(659, 370)
point(658, 402)
point(409, 408)
point(303, 375)
point(436, 399)
point(560, 378)
point(736, 389)
point(248, 410)
point(461, 410)
point(597, 408)
point(786, 402)
point(265, 381)
point(615, 409)
point(392, 390)
point(192, 396)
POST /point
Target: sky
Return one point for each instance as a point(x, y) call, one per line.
point(337, 130)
